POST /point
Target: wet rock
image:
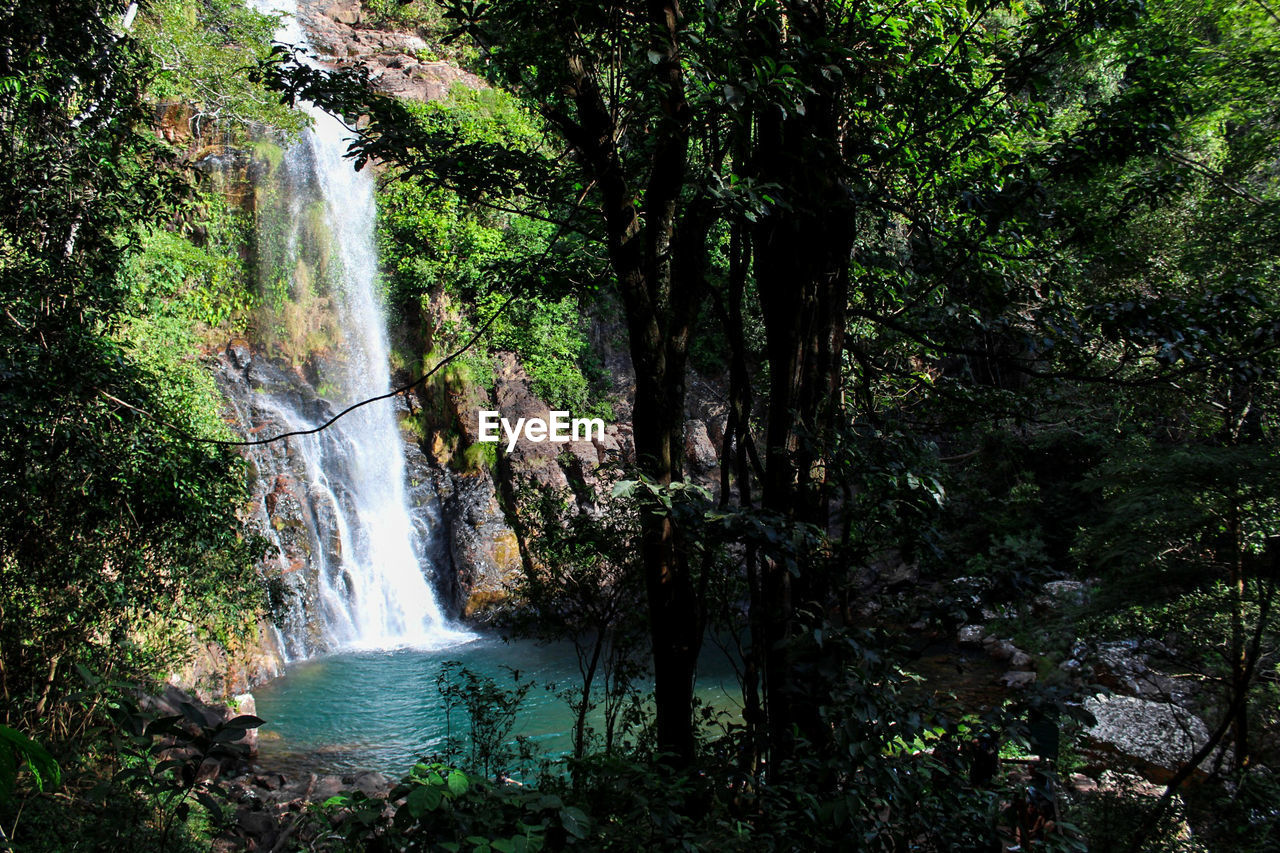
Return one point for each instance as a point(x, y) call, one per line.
point(239, 353)
point(1156, 738)
point(970, 635)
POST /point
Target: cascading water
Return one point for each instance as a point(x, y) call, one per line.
point(368, 580)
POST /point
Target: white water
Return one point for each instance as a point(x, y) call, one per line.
point(375, 591)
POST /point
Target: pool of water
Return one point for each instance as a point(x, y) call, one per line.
point(381, 709)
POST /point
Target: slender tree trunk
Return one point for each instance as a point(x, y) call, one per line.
point(660, 308)
point(802, 257)
point(1239, 662)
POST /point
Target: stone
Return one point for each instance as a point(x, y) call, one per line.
point(239, 353)
point(326, 787)
point(1081, 783)
point(698, 449)
point(1018, 679)
point(245, 704)
point(900, 576)
point(1021, 660)
point(1002, 650)
point(255, 823)
point(1066, 592)
point(970, 635)
point(269, 781)
point(608, 448)
point(343, 11)
point(1155, 738)
point(370, 783)
point(482, 548)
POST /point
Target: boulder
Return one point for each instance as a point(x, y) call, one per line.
point(239, 353)
point(970, 635)
point(255, 824)
point(483, 549)
point(1126, 667)
point(1066, 592)
point(1021, 660)
point(370, 783)
point(900, 576)
point(244, 703)
point(1155, 738)
point(1018, 679)
point(698, 449)
point(1002, 649)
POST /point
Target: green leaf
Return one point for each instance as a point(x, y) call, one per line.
point(575, 821)
point(423, 799)
point(458, 783)
point(16, 751)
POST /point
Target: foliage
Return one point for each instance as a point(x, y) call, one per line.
point(119, 534)
point(132, 778)
point(490, 712)
point(582, 584)
point(421, 14)
point(450, 262)
point(201, 56)
point(20, 753)
point(440, 808)
point(194, 275)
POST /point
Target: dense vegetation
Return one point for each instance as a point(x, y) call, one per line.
point(990, 290)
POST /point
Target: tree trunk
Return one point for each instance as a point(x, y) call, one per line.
point(802, 256)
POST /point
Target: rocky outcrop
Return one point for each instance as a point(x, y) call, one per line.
point(538, 464)
point(483, 549)
point(1156, 738)
point(298, 524)
point(399, 63)
point(457, 513)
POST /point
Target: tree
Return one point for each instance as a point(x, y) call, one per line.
point(797, 129)
point(628, 127)
point(117, 531)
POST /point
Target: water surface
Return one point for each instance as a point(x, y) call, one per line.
point(381, 710)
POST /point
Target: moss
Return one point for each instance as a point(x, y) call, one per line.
point(481, 456)
point(269, 153)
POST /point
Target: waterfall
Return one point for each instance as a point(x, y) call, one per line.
point(368, 580)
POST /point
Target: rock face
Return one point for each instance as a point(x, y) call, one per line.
point(1157, 738)
point(484, 551)
point(399, 63)
point(457, 514)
